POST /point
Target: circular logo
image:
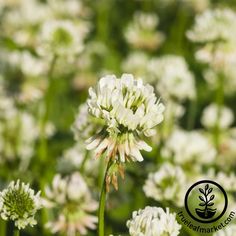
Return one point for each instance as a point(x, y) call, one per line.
point(206, 201)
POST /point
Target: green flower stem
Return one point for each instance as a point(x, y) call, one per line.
point(3, 227)
point(102, 203)
point(16, 232)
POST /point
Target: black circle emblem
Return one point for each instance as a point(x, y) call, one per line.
point(206, 201)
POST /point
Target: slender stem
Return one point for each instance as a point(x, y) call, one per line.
point(16, 232)
point(102, 204)
point(3, 227)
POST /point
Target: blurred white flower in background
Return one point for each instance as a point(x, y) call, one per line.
point(25, 61)
point(212, 116)
point(72, 197)
point(166, 184)
point(142, 31)
point(172, 78)
point(18, 134)
point(127, 109)
point(153, 221)
point(216, 29)
point(22, 19)
point(62, 38)
point(19, 203)
point(72, 205)
point(190, 149)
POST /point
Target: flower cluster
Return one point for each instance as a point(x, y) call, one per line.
point(72, 204)
point(168, 184)
point(186, 148)
point(142, 33)
point(19, 203)
point(128, 109)
point(61, 37)
point(211, 118)
point(216, 29)
point(153, 221)
point(18, 134)
point(172, 77)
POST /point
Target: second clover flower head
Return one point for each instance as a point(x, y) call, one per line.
point(128, 109)
point(19, 203)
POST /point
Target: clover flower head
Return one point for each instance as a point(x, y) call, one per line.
point(20, 128)
point(216, 30)
point(166, 184)
point(73, 199)
point(62, 37)
point(127, 109)
point(172, 77)
point(153, 221)
point(142, 33)
point(186, 148)
point(19, 203)
point(211, 118)
point(213, 25)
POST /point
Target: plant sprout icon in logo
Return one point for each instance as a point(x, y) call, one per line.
point(206, 202)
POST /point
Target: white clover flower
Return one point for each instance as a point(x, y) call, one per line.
point(73, 199)
point(18, 134)
point(26, 13)
point(172, 77)
point(227, 231)
point(127, 109)
point(142, 33)
point(19, 203)
point(216, 29)
point(189, 148)
point(61, 37)
point(153, 221)
point(212, 25)
point(168, 183)
point(210, 117)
